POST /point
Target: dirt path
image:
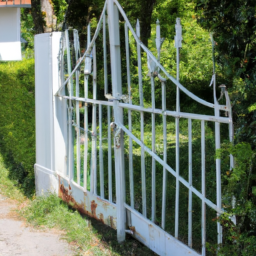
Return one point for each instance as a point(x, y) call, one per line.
point(18, 240)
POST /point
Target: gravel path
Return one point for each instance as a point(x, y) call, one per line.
point(18, 240)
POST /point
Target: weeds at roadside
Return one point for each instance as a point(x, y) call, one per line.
point(86, 235)
point(9, 188)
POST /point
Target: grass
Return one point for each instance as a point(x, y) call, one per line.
point(9, 188)
point(88, 236)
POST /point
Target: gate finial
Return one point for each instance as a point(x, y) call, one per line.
point(88, 60)
point(138, 28)
point(159, 40)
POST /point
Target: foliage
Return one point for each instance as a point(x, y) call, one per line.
point(233, 24)
point(17, 122)
point(239, 239)
point(9, 187)
point(59, 7)
point(36, 13)
point(27, 28)
point(195, 55)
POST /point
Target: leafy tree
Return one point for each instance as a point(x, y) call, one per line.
point(37, 16)
point(233, 24)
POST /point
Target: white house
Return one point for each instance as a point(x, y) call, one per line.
point(10, 36)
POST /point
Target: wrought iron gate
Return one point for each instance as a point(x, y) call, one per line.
point(101, 143)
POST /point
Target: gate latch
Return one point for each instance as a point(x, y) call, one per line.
point(125, 98)
point(117, 130)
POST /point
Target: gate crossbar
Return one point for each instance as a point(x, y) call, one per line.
point(177, 114)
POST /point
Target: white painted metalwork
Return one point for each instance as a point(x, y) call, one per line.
point(178, 45)
point(91, 172)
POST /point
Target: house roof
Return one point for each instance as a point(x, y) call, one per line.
point(15, 3)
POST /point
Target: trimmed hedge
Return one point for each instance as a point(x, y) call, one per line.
point(17, 121)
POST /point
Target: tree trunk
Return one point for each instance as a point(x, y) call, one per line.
point(145, 18)
point(48, 14)
point(37, 16)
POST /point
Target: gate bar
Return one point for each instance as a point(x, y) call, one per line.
point(70, 109)
point(101, 155)
point(153, 117)
point(94, 127)
point(129, 115)
point(143, 172)
point(105, 56)
point(114, 36)
point(178, 39)
point(190, 182)
point(165, 154)
point(110, 193)
point(203, 225)
point(218, 167)
point(86, 80)
point(78, 164)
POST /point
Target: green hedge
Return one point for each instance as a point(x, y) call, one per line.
point(17, 120)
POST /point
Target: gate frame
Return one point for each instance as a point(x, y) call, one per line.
point(57, 176)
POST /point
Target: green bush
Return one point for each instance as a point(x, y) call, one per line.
point(17, 120)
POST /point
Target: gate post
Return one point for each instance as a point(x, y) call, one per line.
point(113, 22)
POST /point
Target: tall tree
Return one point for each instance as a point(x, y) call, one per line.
point(234, 24)
point(37, 16)
point(48, 15)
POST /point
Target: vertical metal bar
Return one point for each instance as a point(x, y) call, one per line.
point(178, 39)
point(109, 111)
point(114, 36)
point(86, 77)
point(85, 131)
point(153, 117)
point(61, 81)
point(231, 137)
point(94, 126)
point(70, 82)
point(110, 194)
point(158, 46)
point(203, 225)
point(70, 109)
point(70, 140)
point(190, 182)
point(165, 154)
point(78, 164)
point(105, 56)
point(101, 155)
point(218, 164)
point(217, 146)
point(129, 115)
point(143, 173)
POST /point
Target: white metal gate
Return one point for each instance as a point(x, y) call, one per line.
point(92, 144)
